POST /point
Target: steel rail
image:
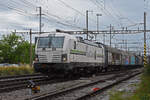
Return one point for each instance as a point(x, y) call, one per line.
point(50, 95)
point(92, 94)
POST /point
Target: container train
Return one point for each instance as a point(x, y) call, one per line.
point(61, 53)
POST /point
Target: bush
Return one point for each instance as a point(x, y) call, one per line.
point(21, 70)
point(116, 96)
point(147, 70)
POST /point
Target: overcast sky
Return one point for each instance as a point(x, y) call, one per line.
point(70, 15)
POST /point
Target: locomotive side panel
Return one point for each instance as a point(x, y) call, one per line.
point(87, 53)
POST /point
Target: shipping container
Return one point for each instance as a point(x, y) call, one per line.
point(127, 60)
point(132, 60)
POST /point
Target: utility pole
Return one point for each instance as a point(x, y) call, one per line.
point(30, 48)
point(40, 11)
point(126, 45)
point(87, 24)
point(40, 19)
point(103, 38)
point(110, 34)
point(145, 58)
point(97, 24)
point(15, 31)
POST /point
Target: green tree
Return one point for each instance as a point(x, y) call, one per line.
point(14, 49)
point(23, 52)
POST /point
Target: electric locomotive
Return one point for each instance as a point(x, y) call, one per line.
point(61, 53)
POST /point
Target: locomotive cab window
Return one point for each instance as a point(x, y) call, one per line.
point(43, 42)
point(51, 42)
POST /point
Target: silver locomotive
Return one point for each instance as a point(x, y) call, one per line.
point(61, 53)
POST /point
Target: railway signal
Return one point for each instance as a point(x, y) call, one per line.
point(34, 88)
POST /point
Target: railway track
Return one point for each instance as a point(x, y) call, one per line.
point(83, 91)
point(18, 76)
point(89, 95)
point(10, 83)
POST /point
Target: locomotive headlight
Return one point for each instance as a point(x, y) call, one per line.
point(64, 57)
point(36, 58)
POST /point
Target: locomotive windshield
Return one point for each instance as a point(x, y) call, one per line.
point(51, 42)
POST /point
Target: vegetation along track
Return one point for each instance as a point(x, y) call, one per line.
point(10, 83)
point(84, 91)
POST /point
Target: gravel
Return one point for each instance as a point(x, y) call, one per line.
point(26, 93)
point(127, 86)
point(78, 93)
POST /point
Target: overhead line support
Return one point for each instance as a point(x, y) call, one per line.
point(107, 32)
point(110, 34)
point(31, 60)
point(87, 23)
point(40, 19)
point(145, 58)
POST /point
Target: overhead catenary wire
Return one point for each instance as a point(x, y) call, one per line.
point(64, 20)
point(104, 10)
point(66, 24)
point(22, 12)
point(68, 6)
point(119, 13)
point(132, 23)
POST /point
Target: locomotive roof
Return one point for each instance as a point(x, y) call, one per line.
point(116, 50)
point(57, 34)
point(110, 49)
